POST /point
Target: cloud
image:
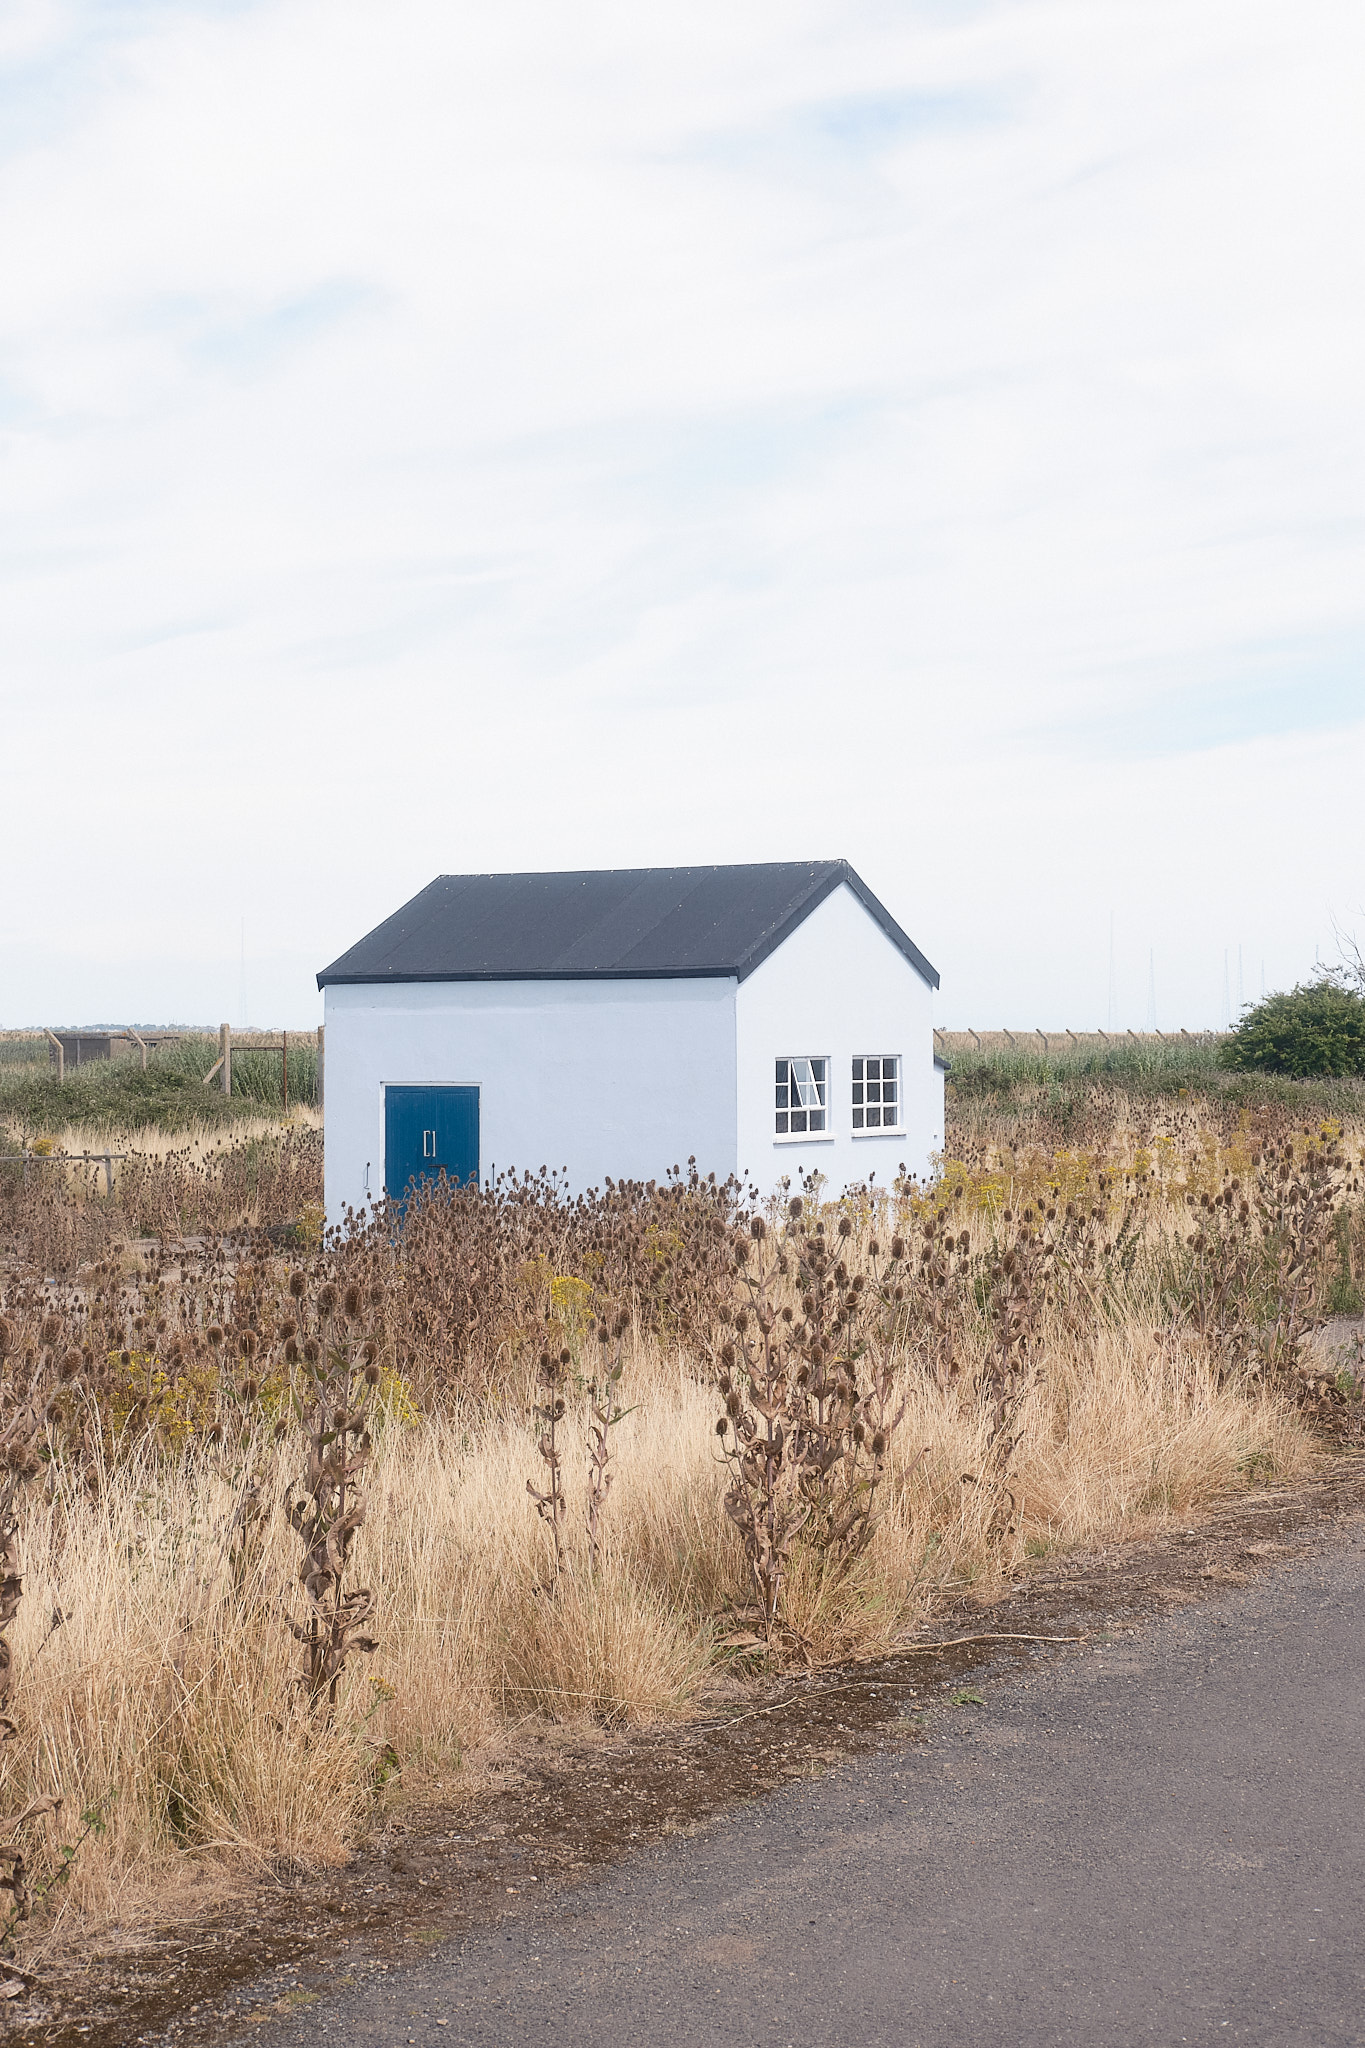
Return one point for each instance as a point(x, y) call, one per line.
point(450, 436)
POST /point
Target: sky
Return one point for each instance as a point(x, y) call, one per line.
point(438, 437)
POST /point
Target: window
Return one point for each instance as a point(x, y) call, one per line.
point(877, 1093)
point(802, 1090)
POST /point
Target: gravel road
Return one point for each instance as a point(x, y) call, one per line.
point(1158, 1839)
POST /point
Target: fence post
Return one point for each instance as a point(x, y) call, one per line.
point(225, 1053)
point(61, 1056)
point(284, 1071)
point(320, 1056)
point(142, 1044)
point(1043, 1035)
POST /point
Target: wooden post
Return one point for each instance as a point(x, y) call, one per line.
point(61, 1056)
point(109, 1171)
point(1009, 1035)
point(1039, 1034)
point(320, 1066)
point(225, 1054)
point(1072, 1036)
point(143, 1044)
point(975, 1037)
point(284, 1072)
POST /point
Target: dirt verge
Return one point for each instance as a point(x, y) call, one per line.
point(567, 1805)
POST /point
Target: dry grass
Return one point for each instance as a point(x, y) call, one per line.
point(166, 1697)
point(169, 1700)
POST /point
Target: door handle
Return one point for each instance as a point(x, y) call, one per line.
point(428, 1144)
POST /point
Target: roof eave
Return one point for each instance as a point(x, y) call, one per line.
point(397, 978)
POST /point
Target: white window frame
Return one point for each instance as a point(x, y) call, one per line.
point(858, 1081)
point(789, 1137)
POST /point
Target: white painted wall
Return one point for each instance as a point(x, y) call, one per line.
point(836, 988)
point(624, 1078)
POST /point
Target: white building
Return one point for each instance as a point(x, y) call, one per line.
point(767, 1020)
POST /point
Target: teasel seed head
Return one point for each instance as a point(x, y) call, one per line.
point(372, 1374)
point(350, 1301)
point(298, 1285)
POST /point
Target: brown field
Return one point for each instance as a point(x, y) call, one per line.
point(1054, 1344)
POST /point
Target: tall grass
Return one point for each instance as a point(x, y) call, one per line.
point(1080, 1095)
point(168, 1698)
point(108, 1097)
point(1080, 1344)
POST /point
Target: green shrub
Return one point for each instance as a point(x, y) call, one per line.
point(1316, 1028)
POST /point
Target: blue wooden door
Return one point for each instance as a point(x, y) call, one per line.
point(427, 1132)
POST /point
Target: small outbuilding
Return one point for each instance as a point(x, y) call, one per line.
point(766, 1020)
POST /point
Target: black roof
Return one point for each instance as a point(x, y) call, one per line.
point(604, 923)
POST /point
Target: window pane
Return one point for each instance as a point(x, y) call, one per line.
point(817, 1068)
point(857, 1070)
point(781, 1123)
point(874, 1118)
point(817, 1119)
point(874, 1070)
point(782, 1073)
point(857, 1091)
point(798, 1119)
point(857, 1119)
